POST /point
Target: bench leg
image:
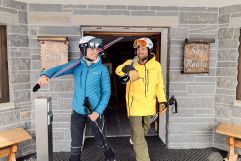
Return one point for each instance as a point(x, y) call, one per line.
point(231, 154)
point(12, 155)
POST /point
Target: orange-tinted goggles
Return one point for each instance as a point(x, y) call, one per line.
point(141, 43)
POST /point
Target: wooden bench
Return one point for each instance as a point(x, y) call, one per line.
point(233, 133)
point(9, 141)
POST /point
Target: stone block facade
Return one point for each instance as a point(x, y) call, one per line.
point(204, 99)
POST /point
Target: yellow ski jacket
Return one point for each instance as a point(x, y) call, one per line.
point(141, 94)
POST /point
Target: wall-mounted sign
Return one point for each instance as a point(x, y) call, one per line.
point(196, 56)
point(53, 51)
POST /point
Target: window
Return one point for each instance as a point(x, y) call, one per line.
point(4, 84)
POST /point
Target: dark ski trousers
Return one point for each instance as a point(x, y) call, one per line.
point(78, 122)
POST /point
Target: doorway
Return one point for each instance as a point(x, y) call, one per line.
point(116, 118)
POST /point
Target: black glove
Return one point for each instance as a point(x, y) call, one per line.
point(127, 68)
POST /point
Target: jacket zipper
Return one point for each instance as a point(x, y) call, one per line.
point(86, 79)
point(145, 80)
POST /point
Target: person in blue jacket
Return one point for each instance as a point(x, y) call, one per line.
point(92, 80)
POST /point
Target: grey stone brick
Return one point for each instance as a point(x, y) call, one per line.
point(9, 117)
point(178, 33)
point(203, 29)
point(119, 12)
point(8, 10)
point(178, 128)
point(235, 15)
point(23, 17)
point(236, 112)
point(223, 82)
point(203, 139)
point(229, 9)
point(35, 65)
point(227, 64)
point(176, 63)
point(59, 30)
point(61, 125)
point(16, 40)
point(226, 91)
point(96, 7)
point(177, 42)
point(61, 117)
point(178, 87)
point(177, 76)
point(21, 29)
point(75, 6)
point(22, 86)
point(20, 78)
point(228, 55)
point(204, 112)
point(64, 104)
point(196, 103)
point(164, 8)
point(33, 32)
point(201, 90)
point(236, 120)
point(25, 115)
point(228, 33)
point(45, 7)
point(210, 79)
point(158, 13)
point(203, 36)
point(90, 12)
point(222, 19)
point(225, 99)
point(61, 85)
point(65, 95)
point(34, 44)
point(22, 96)
point(19, 64)
point(138, 7)
point(197, 18)
point(226, 44)
point(59, 146)
point(176, 51)
point(142, 13)
point(198, 9)
point(35, 57)
point(227, 72)
point(18, 54)
point(222, 112)
point(14, 4)
point(58, 135)
point(116, 7)
point(182, 138)
point(202, 120)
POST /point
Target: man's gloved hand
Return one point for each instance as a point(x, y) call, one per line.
point(127, 68)
point(133, 74)
point(162, 107)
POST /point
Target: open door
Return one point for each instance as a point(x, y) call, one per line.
point(160, 44)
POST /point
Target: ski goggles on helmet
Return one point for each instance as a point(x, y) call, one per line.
point(139, 42)
point(94, 43)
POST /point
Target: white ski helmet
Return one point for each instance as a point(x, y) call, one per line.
point(143, 42)
point(89, 42)
point(85, 39)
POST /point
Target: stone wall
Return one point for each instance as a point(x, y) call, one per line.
point(14, 15)
point(192, 127)
point(226, 109)
point(203, 99)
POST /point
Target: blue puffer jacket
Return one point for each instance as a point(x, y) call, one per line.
point(89, 81)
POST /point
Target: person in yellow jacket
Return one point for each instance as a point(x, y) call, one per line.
point(144, 87)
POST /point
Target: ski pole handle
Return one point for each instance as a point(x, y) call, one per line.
point(36, 87)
